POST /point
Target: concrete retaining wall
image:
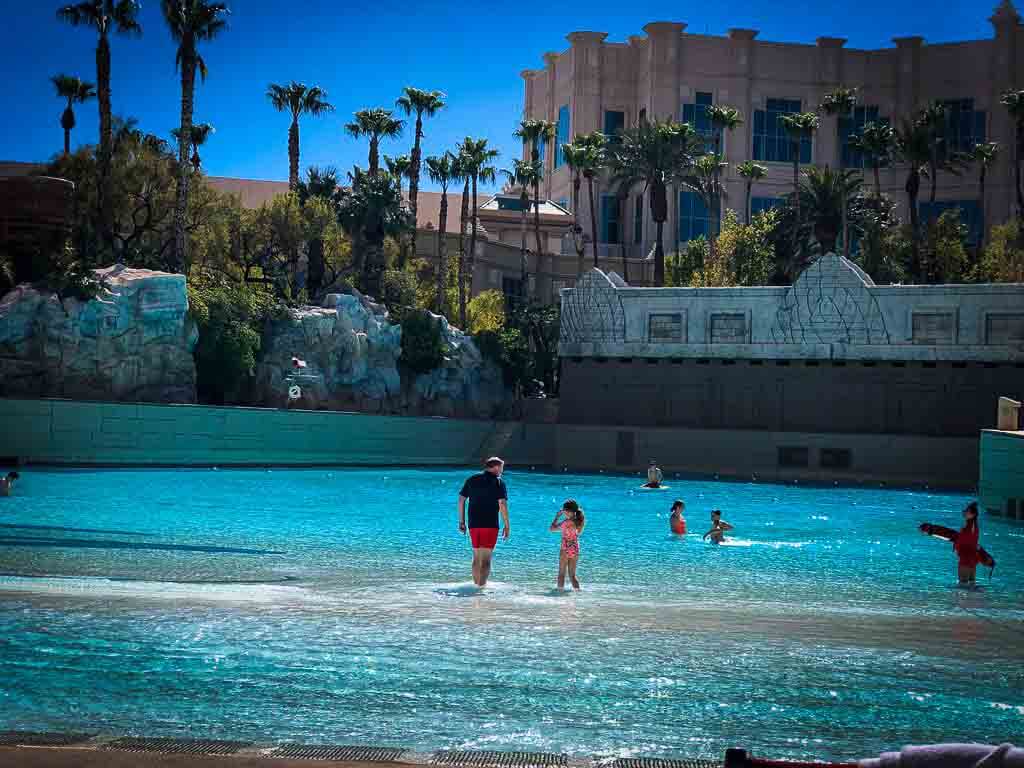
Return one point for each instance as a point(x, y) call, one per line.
point(1001, 485)
point(76, 432)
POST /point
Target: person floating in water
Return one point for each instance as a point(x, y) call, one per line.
point(654, 476)
point(569, 520)
point(487, 497)
point(7, 483)
point(676, 521)
point(965, 544)
point(718, 527)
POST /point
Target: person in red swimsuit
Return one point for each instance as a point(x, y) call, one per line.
point(487, 497)
point(966, 545)
point(676, 521)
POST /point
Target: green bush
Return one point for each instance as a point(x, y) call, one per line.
point(399, 293)
point(422, 345)
point(1003, 258)
point(509, 349)
point(486, 312)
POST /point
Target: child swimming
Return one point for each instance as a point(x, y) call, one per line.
point(718, 527)
point(571, 527)
point(676, 521)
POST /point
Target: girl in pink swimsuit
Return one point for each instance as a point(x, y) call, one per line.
point(571, 526)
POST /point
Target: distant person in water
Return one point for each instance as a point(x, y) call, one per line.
point(569, 520)
point(487, 497)
point(676, 521)
point(7, 483)
point(718, 527)
point(654, 476)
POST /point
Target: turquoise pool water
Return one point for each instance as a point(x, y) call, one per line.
point(335, 606)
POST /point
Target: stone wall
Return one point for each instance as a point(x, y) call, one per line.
point(132, 342)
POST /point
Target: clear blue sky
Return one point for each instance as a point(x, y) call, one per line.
point(363, 53)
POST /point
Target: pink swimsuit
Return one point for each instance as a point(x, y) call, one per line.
point(570, 539)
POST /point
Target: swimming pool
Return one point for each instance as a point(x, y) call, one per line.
point(334, 605)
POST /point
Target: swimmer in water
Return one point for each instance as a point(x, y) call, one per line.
point(654, 476)
point(569, 521)
point(718, 527)
point(676, 521)
point(7, 483)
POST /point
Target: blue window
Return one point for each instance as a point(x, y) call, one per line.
point(609, 219)
point(970, 215)
point(771, 142)
point(759, 204)
point(850, 127)
point(965, 126)
point(561, 134)
point(564, 202)
point(638, 219)
point(510, 204)
point(696, 114)
point(542, 148)
point(694, 219)
point(614, 124)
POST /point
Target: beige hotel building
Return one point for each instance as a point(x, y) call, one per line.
point(597, 85)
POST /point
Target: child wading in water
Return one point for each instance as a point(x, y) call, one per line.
point(571, 527)
point(718, 527)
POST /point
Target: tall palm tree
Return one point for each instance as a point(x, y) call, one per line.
point(984, 155)
point(933, 120)
point(441, 170)
point(750, 172)
point(574, 160)
point(914, 148)
point(477, 158)
point(75, 91)
point(589, 158)
point(299, 99)
point(399, 168)
point(653, 154)
point(876, 142)
point(460, 172)
point(106, 17)
point(200, 133)
point(723, 118)
point(191, 22)
point(422, 103)
point(798, 126)
point(522, 175)
point(840, 104)
point(534, 133)
point(824, 191)
point(1014, 102)
point(376, 124)
point(701, 178)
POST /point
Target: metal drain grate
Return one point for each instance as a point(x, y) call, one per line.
point(38, 739)
point(335, 752)
point(177, 746)
point(653, 762)
point(499, 759)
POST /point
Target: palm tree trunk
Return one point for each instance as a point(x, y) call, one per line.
point(1016, 171)
point(471, 261)
point(442, 255)
point(746, 204)
point(374, 158)
point(593, 223)
point(536, 226)
point(462, 253)
point(577, 229)
point(524, 265)
point(293, 154)
point(878, 185)
point(796, 196)
point(981, 207)
point(67, 142)
point(659, 255)
point(913, 183)
point(414, 181)
point(103, 97)
point(933, 172)
point(188, 80)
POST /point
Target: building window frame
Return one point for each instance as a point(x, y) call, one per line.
point(970, 215)
point(610, 221)
point(771, 143)
point(695, 114)
point(561, 134)
point(849, 127)
point(964, 125)
point(694, 217)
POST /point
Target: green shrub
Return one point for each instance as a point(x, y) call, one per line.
point(1003, 258)
point(943, 255)
point(422, 345)
point(486, 312)
point(509, 350)
point(399, 292)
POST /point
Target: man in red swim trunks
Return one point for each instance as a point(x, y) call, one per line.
point(487, 497)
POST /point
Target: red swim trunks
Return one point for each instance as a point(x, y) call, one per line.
point(483, 538)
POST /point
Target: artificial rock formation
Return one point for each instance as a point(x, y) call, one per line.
point(133, 342)
point(352, 350)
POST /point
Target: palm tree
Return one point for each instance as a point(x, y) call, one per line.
point(422, 103)
point(913, 147)
point(200, 133)
point(375, 124)
point(522, 175)
point(534, 133)
point(574, 159)
point(985, 156)
point(751, 172)
point(477, 157)
point(840, 104)
point(460, 172)
point(933, 119)
point(190, 22)
point(442, 171)
point(398, 167)
point(723, 118)
point(825, 194)
point(876, 142)
point(1014, 103)
point(798, 126)
point(76, 91)
point(701, 178)
point(299, 99)
point(654, 153)
point(589, 157)
point(106, 17)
